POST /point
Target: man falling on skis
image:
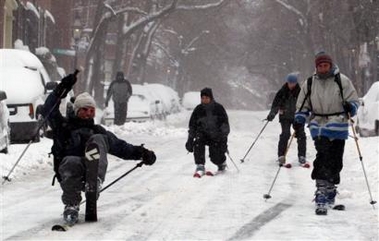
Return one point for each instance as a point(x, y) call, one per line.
point(78, 144)
point(208, 126)
point(285, 103)
point(328, 99)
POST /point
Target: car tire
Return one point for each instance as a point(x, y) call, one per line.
point(377, 127)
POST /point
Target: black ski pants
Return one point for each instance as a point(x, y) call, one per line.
point(328, 163)
point(120, 112)
point(216, 149)
point(286, 134)
point(73, 172)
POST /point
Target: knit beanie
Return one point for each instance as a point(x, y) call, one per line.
point(83, 100)
point(206, 92)
point(291, 78)
point(322, 57)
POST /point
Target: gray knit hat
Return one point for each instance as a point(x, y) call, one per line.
point(83, 100)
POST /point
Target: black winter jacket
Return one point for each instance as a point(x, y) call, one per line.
point(71, 134)
point(285, 102)
point(209, 120)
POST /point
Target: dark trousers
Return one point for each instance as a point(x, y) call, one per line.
point(328, 163)
point(217, 151)
point(73, 172)
point(286, 134)
point(120, 111)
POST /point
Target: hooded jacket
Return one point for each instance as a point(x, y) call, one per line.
point(325, 99)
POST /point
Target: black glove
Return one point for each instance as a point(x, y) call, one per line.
point(270, 116)
point(189, 145)
point(148, 157)
point(347, 107)
point(65, 85)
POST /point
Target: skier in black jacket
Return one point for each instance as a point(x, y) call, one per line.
point(78, 140)
point(209, 125)
point(285, 103)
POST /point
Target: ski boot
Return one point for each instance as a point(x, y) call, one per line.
point(303, 162)
point(71, 214)
point(281, 160)
point(200, 171)
point(321, 197)
point(222, 167)
point(321, 203)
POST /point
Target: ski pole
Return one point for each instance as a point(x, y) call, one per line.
point(227, 152)
point(118, 179)
point(372, 202)
point(243, 159)
point(122, 176)
point(6, 178)
point(267, 196)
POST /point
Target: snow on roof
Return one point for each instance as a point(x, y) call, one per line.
point(30, 6)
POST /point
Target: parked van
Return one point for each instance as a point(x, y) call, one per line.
point(23, 78)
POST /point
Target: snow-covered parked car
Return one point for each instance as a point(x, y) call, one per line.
point(23, 78)
point(4, 123)
point(368, 112)
point(191, 100)
point(168, 97)
point(143, 105)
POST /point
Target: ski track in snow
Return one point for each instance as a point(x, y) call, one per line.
point(164, 201)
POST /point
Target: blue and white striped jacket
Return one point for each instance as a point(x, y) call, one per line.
point(325, 99)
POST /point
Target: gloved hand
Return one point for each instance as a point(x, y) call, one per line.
point(270, 116)
point(65, 85)
point(347, 107)
point(148, 157)
point(189, 145)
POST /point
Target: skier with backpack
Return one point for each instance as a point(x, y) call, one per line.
point(328, 99)
point(80, 150)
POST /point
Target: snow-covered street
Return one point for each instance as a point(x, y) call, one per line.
point(164, 201)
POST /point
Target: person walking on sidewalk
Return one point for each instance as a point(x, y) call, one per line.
point(284, 103)
point(120, 90)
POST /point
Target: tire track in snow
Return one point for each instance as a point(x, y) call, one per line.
point(248, 230)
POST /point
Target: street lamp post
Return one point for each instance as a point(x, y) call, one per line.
point(76, 34)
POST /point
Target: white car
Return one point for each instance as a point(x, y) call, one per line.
point(24, 79)
point(168, 96)
point(191, 100)
point(368, 113)
point(4, 124)
point(143, 105)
